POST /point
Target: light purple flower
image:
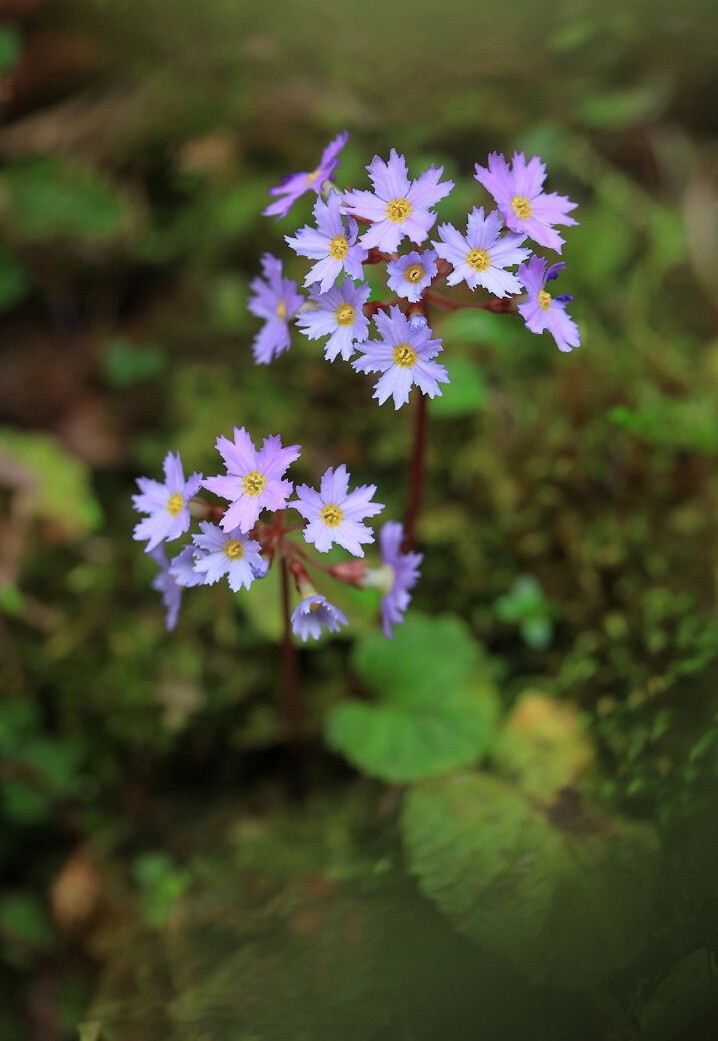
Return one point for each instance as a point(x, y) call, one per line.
point(166, 504)
point(410, 275)
point(276, 299)
point(518, 194)
point(254, 478)
point(402, 575)
point(397, 206)
point(182, 570)
point(228, 553)
point(338, 314)
point(314, 613)
point(405, 356)
point(542, 311)
point(165, 584)
point(332, 244)
point(335, 514)
point(480, 256)
point(297, 184)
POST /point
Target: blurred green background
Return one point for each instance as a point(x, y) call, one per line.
point(168, 870)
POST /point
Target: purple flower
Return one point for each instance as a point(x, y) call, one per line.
point(338, 314)
point(314, 613)
point(480, 256)
point(542, 311)
point(254, 478)
point(297, 184)
point(228, 553)
point(331, 244)
point(182, 569)
point(276, 299)
point(525, 207)
point(410, 275)
point(402, 575)
point(166, 504)
point(405, 357)
point(335, 514)
point(397, 206)
point(166, 585)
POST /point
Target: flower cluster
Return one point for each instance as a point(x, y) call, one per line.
point(357, 227)
point(234, 543)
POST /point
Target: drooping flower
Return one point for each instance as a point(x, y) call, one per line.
point(410, 275)
point(182, 570)
point(166, 504)
point(165, 584)
point(335, 514)
point(253, 481)
point(480, 257)
point(314, 613)
point(338, 314)
point(228, 553)
point(542, 311)
point(397, 206)
point(333, 244)
point(295, 185)
point(405, 355)
point(276, 299)
point(526, 208)
point(397, 576)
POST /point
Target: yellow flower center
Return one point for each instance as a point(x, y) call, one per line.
point(281, 310)
point(414, 273)
point(398, 210)
point(234, 549)
point(175, 504)
point(254, 483)
point(404, 356)
point(345, 314)
point(544, 300)
point(521, 207)
point(478, 259)
point(338, 247)
point(311, 177)
point(315, 606)
point(331, 514)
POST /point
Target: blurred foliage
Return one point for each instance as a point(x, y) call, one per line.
point(167, 868)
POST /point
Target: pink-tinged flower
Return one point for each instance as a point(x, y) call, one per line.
point(276, 299)
point(397, 206)
point(166, 504)
point(405, 355)
point(290, 188)
point(480, 257)
point(314, 613)
point(335, 514)
point(165, 584)
point(339, 315)
point(410, 275)
point(254, 478)
point(398, 574)
point(542, 311)
point(228, 553)
point(526, 208)
point(332, 244)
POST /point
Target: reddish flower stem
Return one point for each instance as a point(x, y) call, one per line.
point(499, 305)
point(292, 703)
point(416, 473)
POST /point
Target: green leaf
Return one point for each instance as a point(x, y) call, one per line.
point(466, 393)
point(126, 364)
point(48, 199)
point(23, 919)
point(542, 746)
point(689, 990)
point(10, 48)
point(435, 709)
point(60, 481)
point(14, 282)
point(567, 901)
